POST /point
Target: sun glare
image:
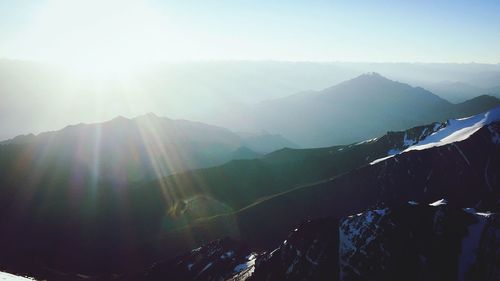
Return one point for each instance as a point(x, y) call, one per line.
point(99, 39)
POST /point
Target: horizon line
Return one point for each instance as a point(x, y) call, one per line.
point(216, 60)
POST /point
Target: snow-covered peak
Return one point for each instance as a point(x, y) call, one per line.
point(454, 130)
point(457, 130)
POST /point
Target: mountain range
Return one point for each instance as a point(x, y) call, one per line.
point(131, 227)
point(144, 147)
point(396, 229)
point(457, 92)
point(339, 114)
point(36, 95)
point(410, 241)
point(130, 198)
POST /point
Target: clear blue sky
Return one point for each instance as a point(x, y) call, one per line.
point(388, 31)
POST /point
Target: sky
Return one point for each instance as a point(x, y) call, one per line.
point(114, 34)
point(106, 48)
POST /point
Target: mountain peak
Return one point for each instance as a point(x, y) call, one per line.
point(150, 115)
point(371, 76)
point(364, 83)
point(368, 79)
point(119, 118)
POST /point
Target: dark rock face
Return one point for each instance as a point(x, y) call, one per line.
point(218, 260)
point(404, 242)
point(420, 242)
point(308, 253)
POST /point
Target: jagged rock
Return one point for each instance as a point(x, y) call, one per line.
point(308, 253)
point(420, 242)
point(413, 241)
point(218, 260)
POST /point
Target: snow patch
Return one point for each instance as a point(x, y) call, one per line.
point(196, 250)
point(249, 265)
point(10, 277)
point(393, 151)
point(367, 141)
point(470, 210)
point(273, 251)
point(486, 215)
point(227, 255)
point(457, 130)
point(381, 159)
point(439, 203)
point(206, 267)
point(351, 231)
point(407, 142)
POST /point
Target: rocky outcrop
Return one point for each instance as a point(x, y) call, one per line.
point(420, 242)
point(404, 242)
point(310, 252)
point(221, 259)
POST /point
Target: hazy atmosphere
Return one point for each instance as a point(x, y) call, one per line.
point(123, 32)
point(90, 61)
point(249, 140)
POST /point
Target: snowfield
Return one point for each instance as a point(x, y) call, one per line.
point(455, 130)
point(9, 277)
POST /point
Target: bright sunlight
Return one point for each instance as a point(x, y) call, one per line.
point(95, 43)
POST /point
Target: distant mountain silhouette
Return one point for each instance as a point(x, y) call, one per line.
point(485, 79)
point(245, 153)
point(265, 142)
point(360, 108)
point(475, 105)
point(455, 91)
point(144, 147)
point(35, 95)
